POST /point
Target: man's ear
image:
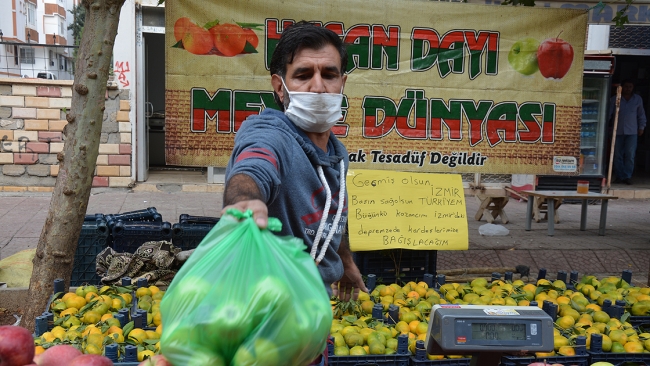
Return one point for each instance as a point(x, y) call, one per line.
point(345, 78)
point(276, 83)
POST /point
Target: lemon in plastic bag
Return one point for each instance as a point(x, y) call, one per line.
point(246, 297)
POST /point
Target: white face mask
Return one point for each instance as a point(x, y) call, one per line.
point(314, 112)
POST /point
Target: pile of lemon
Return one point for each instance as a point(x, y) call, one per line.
point(356, 333)
point(86, 319)
point(579, 313)
point(149, 298)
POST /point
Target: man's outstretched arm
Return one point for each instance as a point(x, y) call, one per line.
point(242, 193)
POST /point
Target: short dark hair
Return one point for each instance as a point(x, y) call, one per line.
point(627, 81)
point(299, 36)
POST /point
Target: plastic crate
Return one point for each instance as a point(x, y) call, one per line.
point(95, 217)
point(188, 236)
point(95, 237)
point(375, 360)
point(188, 219)
point(564, 360)
point(638, 321)
point(443, 362)
point(128, 236)
point(618, 358)
point(149, 214)
point(401, 358)
point(411, 265)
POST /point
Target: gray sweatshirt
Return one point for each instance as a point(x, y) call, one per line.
point(283, 162)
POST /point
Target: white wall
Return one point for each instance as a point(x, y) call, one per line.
point(124, 65)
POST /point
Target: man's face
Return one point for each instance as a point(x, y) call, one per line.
point(628, 88)
point(316, 71)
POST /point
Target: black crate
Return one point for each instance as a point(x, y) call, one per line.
point(95, 237)
point(619, 358)
point(397, 265)
point(564, 360)
point(149, 214)
point(129, 236)
point(95, 217)
point(188, 236)
point(443, 362)
point(188, 219)
point(374, 360)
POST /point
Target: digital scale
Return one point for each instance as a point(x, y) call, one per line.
point(486, 332)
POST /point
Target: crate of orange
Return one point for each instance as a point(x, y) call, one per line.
point(615, 352)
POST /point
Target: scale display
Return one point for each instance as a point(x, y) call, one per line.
point(499, 331)
point(480, 328)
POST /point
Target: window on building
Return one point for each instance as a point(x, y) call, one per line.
point(16, 55)
point(31, 14)
point(62, 28)
point(51, 54)
point(27, 55)
point(62, 62)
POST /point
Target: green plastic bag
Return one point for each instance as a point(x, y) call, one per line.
point(246, 297)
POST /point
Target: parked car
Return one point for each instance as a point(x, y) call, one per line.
point(46, 75)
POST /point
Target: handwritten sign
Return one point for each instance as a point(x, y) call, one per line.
point(421, 211)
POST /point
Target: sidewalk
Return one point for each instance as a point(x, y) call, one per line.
point(626, 244)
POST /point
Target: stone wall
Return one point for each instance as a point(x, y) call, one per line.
point(32, 122)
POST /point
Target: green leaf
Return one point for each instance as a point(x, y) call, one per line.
point(86, 307)
point(249, 48)
point(124, 289)
point(151, 341)
point(625, 317)
point(211, 24)
point(350, 318)
point(128, 328)
point(256, 26)
point(105, 327)
point(61, 320)
point(179, 44)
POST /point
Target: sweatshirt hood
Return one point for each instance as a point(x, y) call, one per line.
point(315, 154)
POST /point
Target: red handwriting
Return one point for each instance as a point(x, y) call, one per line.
point(121, 68)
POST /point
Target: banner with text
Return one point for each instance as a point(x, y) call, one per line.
point(432, 87)
point(389, 210)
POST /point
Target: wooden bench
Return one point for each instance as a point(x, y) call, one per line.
point(492, 207)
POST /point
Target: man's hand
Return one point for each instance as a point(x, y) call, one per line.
point(349, 285)
point(242, 193)
point(260, 211)
point(640, 132)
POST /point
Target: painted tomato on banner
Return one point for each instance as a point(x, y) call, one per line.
point(215, 38)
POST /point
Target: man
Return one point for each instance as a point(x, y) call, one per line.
point(631, 123)
point(288, 164)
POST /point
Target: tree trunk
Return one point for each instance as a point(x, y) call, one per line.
point(58, 241)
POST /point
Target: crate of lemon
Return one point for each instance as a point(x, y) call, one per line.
point(388, 338)
point(581, 311)
point(89, 319)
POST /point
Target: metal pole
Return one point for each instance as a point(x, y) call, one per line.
point(611, 153)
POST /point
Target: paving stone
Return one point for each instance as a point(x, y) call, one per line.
point(513, 258)
point(11, 124)
point(48, 159)
point(616, 260)
point(552, 260)
point(482, 258)
point(583, 261)
point(5, 112)
point(451, 259)
point(5, 89)
point(13, 170)
point(39, 170)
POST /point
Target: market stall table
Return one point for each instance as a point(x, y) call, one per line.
point(559, 196)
